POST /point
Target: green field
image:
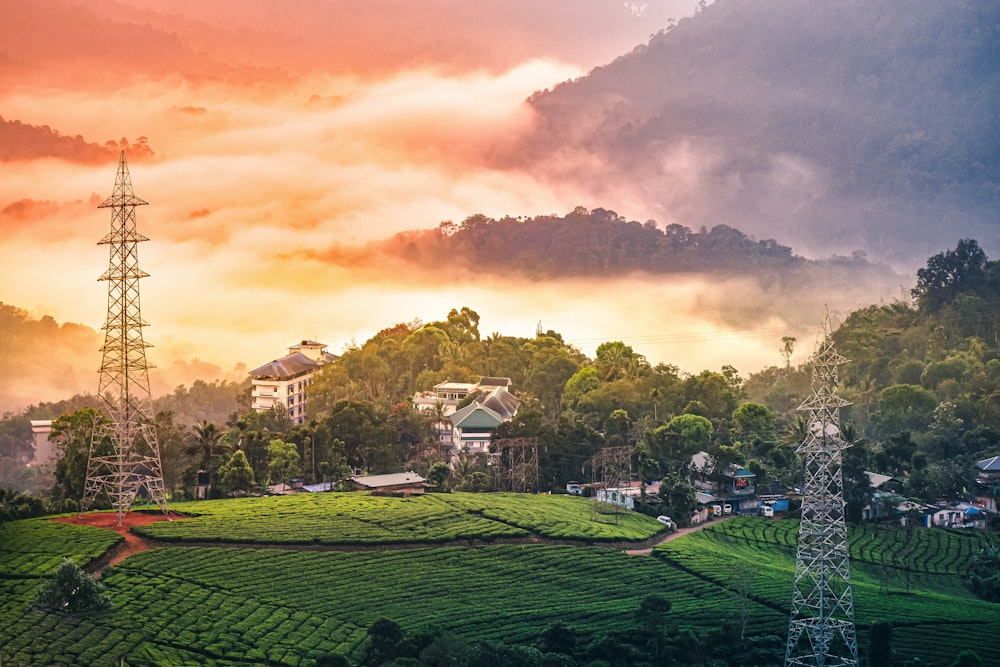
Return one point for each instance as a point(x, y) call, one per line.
point(233, 605)
point(358, 519)
point(911, 578)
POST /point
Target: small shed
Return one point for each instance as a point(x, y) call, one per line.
point(397, 483)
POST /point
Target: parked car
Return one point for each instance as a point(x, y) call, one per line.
point(727, 509)
point(715, 510)
point(766, 510)
point(667, 521)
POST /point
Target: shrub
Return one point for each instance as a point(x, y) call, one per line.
point(72, 590)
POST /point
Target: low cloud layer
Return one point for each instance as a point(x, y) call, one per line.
point(260, 160)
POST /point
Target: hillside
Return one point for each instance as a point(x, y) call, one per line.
point(600, 243)
point(528, 604)
point(833, 126)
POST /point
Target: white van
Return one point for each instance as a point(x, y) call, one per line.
point(715, 510)
point(766, 510)
point(727, 509)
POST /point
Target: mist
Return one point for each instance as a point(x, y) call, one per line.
point(259, 161)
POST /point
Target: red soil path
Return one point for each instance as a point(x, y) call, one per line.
point(109, 520)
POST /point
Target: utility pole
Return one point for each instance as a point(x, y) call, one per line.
point(124, 454)
point(821, 631)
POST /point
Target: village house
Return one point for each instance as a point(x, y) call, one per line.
point(734, 487)
point(988, 483)
point(469, 429)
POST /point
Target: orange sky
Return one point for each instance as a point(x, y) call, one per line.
point(273, 132)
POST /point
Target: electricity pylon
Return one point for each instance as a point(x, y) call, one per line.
point(124, 453)
point(821, 630)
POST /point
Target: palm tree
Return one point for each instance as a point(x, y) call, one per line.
point(204, 439)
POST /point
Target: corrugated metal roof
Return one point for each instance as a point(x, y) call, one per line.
point(876, 480)
point(990, 464)
point(392, 479)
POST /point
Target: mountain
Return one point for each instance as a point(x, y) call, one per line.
point(836, 126)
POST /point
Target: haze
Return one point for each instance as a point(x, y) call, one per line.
point(258, 134)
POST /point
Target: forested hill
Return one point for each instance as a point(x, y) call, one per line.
point(834, 126)
point(601, 243)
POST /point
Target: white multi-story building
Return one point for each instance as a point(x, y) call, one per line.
point(284, 381)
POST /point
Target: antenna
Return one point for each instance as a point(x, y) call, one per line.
point(124, 454)
point(821, 628)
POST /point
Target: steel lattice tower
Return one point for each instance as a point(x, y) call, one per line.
point(610, 468)
point(124, 454)
point(821, 626)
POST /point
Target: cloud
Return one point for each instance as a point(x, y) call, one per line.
point(280, 163)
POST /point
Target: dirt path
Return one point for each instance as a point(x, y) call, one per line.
point(677, 533)
point(109, 521)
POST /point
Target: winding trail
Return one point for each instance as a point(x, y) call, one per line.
point(132, 542)
point(677, 533)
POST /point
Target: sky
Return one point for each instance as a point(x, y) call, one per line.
point(261, 137)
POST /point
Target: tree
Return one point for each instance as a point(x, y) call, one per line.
point(985, 575)
point(682, 437)
point(904, 407)
point(967, 659)
point(236, 475)
point(549, 369)
point(581, 383)
point(949, 274)
point(384, 638)
point(681, 496)
point(202, 440)
point(476, 482)
point(753, 425)
point(787, 348)
point(439, 474)
point(170, 436)
point(72, 591)
point(72, 434)
point(652, 618)
point(558, 638)
point(880, 643)
point(284, 457)
point(616, 360)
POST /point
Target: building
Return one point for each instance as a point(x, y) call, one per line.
point(955, 515)
point(398, 483)
point(447, 395)
point(988, 483)
point(473, 426)
point(283, 381)
point(45, 449)
point(470, 428)
point(733, 486)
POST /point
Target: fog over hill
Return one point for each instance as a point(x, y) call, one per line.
point(867, 125)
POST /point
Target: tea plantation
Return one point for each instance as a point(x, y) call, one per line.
point(292, 580)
